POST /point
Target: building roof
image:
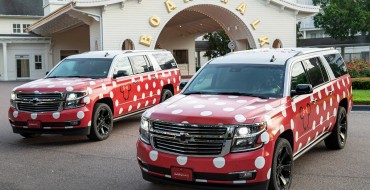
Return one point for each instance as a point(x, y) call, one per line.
point(21, 7)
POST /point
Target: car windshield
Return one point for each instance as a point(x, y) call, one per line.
point(82, 68)
point(259, 80)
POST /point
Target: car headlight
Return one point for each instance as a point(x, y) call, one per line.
point(75, 99)
point(13, 97)
point(246, 137)
point(144, 130)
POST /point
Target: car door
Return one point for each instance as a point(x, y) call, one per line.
point(123, 87)
point(321, 99)
point(144, 75)
point(301, 119)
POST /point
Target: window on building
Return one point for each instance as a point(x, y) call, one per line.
point(16, 28)
point(38, 62)
point(313, 35)
point(25, 26)
point(181, 56)
point(128, 45)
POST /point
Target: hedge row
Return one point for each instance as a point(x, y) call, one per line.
point(361, 83)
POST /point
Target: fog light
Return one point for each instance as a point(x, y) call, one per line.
point(74, 123)
point(246, 175)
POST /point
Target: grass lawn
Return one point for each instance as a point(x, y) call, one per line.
point(361, 97)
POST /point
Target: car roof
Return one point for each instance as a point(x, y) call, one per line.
point(277, 56)
point(109, 53)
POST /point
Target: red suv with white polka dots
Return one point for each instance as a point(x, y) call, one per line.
point(85, 93)
point(244, 117)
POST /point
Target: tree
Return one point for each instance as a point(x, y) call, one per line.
point(343, 19)
point(299, 34)
point(218, 42)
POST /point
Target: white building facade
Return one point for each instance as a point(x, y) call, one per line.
point(22, 55)
point(89, 25)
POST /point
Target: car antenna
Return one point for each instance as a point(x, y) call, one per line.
point(106, 54)
point(272, 58)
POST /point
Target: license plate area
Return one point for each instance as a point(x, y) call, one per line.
point(184, 174)
point(34, 124)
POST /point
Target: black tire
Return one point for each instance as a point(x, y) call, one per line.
point(102, 122)
point(30, 135)
point(166, 94)
point(338, 138)
point(282, 166)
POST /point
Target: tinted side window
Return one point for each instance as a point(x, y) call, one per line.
point(298, 76)
point(314, 71)
point(141, 64)
point(337, 64)
point(165, 61)
point(123, 64)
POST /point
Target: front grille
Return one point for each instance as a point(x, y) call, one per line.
point(39, 102)
point(44, 96)
point(46, 107)
point(187, 139)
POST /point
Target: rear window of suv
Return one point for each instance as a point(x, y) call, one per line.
point(337, 64)
point(165, 61)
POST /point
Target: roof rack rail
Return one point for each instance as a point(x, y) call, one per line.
point(312, 51)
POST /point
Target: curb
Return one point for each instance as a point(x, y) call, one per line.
point(361, 108)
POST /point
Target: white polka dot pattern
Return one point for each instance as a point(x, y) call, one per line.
point(219, 162)
point(15, 114)
point(265, 138)
point(259, 162)
point(240, 118)
point(178, 111)
point(56, 115)
point(80, 114)
point(229, 109)
point(292, 124)
point(69, 88)
point(153, 155)
point(206, 113)
point(182, 160)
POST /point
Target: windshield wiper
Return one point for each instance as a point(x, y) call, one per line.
point(242, 94)
point(76, 76)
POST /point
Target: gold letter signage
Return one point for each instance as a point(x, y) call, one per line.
point(170, 6)
point(225, 1)
point(154, 21)
point(242, 8)
point(146, 40)
point(254, 24)
point(263, 41)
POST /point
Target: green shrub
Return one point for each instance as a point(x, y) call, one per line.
point(361, 83)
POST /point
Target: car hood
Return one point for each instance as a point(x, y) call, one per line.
point(214, 109)
point(59, 85)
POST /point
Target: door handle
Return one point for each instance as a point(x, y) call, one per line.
point(314, 101)
point(135, 82)
point(331, 92)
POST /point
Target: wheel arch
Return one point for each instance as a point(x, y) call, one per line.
point(344, 103)
point(169, 87)
point(107, 101)
point(288, 135)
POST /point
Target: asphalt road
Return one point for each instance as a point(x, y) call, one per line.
point(73, 162)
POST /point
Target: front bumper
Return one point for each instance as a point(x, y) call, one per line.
point(208, 170)
point(69, 122)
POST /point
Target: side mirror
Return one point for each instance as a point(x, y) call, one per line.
point(47, 72)
point(183, 84)
point(302, 89)
point(121, 73)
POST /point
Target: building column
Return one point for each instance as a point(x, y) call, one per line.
point(5, 56)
